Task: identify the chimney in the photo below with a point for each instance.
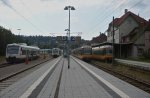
(125, 11)
(100, 33)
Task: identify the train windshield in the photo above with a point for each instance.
(55, 51)
(87, 51)
(12, 49)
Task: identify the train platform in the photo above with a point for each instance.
(10, 69)
(137, 64)
(81, 80)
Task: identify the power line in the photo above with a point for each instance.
(18, 13)
(28, 9)
(104, 12)
(97, 26)
(140, 1)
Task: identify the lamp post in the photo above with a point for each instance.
(68, 47)
(69, 8)
(19, 31)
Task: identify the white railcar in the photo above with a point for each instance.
(56, 52)
(20, 52)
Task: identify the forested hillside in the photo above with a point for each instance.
(43, 42)
(6, 37)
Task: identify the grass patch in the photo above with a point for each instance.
(2, 59)
(127, 70)
(133, 72)
(140, 59)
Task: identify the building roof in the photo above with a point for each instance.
(118, 21)
(99, 39)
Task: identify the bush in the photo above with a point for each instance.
(146, 54)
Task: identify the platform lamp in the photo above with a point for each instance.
(69, 8)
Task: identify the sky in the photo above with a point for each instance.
(48, 17)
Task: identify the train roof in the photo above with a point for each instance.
(110, 43)
(104, 46)
(86, 46)
(45, 49)
(101, 44)
(56, 48)
(24, 46)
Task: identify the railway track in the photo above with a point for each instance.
(81, 80)
(12, 78)
(136, 82)
(5, 65)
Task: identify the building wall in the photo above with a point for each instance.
(141, 40)
(127, 26)
(147, 40)
(109, 37)
(134, 51)
(139, 46)
(116, 35)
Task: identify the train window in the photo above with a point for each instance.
(109, 51)
(12, 49)
(87, 51)
(103, 51)
(98, 52)
(23, 52)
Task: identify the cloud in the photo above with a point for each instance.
(89, 14)
(7, 3)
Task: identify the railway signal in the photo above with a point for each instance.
(64, 38)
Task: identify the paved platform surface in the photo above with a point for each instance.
(18, 88)
(141, 65)
(9, 70)
(75, 82)
(130, 90)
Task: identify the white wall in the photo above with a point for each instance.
(116, 35)
(127, 26)
(147, 40)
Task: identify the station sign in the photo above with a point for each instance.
(72, 38)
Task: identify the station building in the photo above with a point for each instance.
(131, 35)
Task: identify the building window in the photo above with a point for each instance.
(140, 51)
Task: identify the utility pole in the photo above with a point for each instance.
(113, 42)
